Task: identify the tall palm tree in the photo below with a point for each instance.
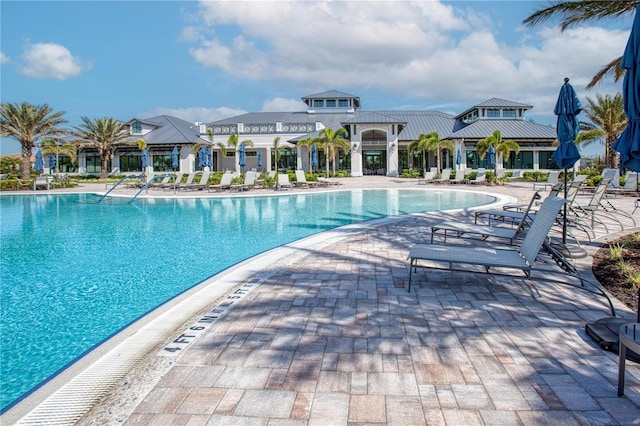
(27, 124)
(308, 142)
(331, 141)
(576, 12)
(58, 147)
(607, 113)
(501, 146)
(234, 142)
(431, 142)
(276, 152)
(100, 134)
(420, 145)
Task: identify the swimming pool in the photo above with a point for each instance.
(74, 272)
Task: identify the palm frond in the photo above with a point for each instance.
(575, 12)
(612, 69)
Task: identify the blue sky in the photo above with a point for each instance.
(204, 61)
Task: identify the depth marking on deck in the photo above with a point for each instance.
(185, 339)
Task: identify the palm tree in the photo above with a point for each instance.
(502, 147)
(576, 12)
(331, 141)
(609, 119)
(431, 142)
(420, 145)
(100, 134)
(58, 147)
(276, 151)
(27, 123)
(234, 142)
(308, 142)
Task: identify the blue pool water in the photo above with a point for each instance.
(74, 272)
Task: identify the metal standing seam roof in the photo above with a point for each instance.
(495, 103)
(510, 129)
(169, 130)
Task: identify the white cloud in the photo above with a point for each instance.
(194, 114)
(51, 61)
(440, 53)
(4, 59)
(284, 105)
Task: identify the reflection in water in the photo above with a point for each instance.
(80, 271)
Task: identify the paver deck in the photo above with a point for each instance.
(335, 338)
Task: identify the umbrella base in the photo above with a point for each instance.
(605, 332)
(570, 251)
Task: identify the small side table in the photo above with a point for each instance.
(629, 336)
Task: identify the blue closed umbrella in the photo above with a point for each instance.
(459, 158)
(202, 157)
(491, 159)
(567, 109)
(38, 166)
(259, 158)
(242, 160)
(145, 158)
(209, 157)
(628, 144)
(314, 155)
(52, 162)
(174, 157)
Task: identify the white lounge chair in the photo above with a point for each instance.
(186, 184)
(428, 176)
(516, 174)
(481, 179)
(552, 179)
(326, 182)
(521, 258)
(485, 231)
(283, 182)
(459, 178)
(173, 182)
(225, 183)
(201, 184)
(630, 185)
(301, 179)
(444, 177)
(43, 181)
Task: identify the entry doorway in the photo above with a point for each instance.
(374, 162)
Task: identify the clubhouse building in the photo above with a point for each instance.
(378, 139)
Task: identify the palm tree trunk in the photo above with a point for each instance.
(326, 162)
(26, 162)
(103, 168)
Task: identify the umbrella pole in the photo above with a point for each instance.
(564, 214)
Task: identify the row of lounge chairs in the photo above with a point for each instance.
(445, 177)
(527, 239)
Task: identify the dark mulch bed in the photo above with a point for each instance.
(608, 273)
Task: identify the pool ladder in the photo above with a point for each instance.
(118, 183)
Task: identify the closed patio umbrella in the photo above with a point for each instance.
(459, 158)
(491, 158)
(202, 157)
(209, 157)
(174, 157)
(314, 155)
(567, 109)
(242, 160)
(628, 144)
(38, 166)
(259, 158)
(52, 163)
(145, 159)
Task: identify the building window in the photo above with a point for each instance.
(288, 159)
(343, 103)
(130, 163)
(546, 160)
(331, 103)
(493, 112)
(93, 164)
(522, 160)
(136, 128)
(162, 163)
(318, 103)
(509, 113)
